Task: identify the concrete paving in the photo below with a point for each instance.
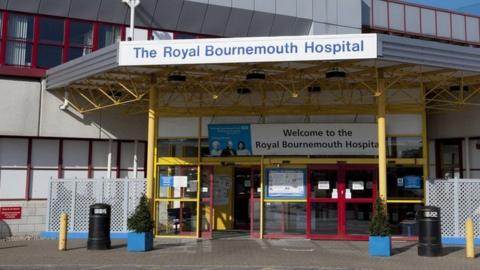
(227, 254)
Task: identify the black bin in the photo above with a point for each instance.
(99, 227)
(429, 232)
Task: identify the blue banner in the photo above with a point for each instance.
(227, 140)
(166, 181)
(412, 182)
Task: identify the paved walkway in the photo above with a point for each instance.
(228, 254)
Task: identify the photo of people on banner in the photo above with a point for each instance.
(227, 140)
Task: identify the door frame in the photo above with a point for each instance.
(341, 201)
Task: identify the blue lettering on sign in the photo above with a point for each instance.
(210, 50)
(166, 181)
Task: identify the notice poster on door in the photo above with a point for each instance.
(286, 183)
(358, 185)
(323, 185)
(221, 189)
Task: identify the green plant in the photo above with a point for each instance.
(379, 225)
(141, 220)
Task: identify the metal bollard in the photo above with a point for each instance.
(62, 234)
(469, 238)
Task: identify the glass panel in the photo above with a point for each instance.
(184, 36)
(205, 182)
(324, 218)
(404, 147)
(20, 27)
(1, 23)
(256, 184)
(161, 35)
(176, 218)
(451, 167)
(405, 182)
(360, 183)
(173, 184)
(19, 53)
(402, 218)
(108, 34)
(49, 56)
(77, 52)
(358, 218)
(256, 215)
(285, 218)
(323, 182)
(206, 218)
(81, 33)
(181, 148)
(51, 30)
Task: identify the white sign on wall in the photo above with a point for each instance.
(314, 139)
(246, 50)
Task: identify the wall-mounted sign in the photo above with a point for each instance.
(248, 50)
(412, 182)
(358, 185)
(369, 185)
(323, 185)
(399, 182)
(292, 139)
(181, 182)
(286, 183)
(334, 194)
(348, 194)
(166, 181)
(10, 212)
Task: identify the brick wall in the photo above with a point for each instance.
(32, 221)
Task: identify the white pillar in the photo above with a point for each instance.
(467, 158)
(109, 160)
(135, 158)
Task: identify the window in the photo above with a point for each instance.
(20, 40)
(108, 35)
(449, 158)
(184, 36)
(161, 35)
(50, 48)
(81, 39)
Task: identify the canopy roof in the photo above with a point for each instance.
(418, 74)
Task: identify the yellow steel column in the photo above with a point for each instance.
(262, 195)
(199, 177)
(152, 140)
(382, 144)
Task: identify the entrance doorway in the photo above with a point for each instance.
(246, 188)
(340, 201)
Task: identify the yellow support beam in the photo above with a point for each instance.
(151, 143)
(382, 144)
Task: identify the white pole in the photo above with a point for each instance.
(135, 158)
(467, 158)
(132, 4)
(109, 160)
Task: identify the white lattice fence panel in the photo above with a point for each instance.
(441, 194)
(75, 197)
(60, 200)
(114, 195)
(84, 197)
(469, 202)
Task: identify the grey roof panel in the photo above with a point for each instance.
(191, 17)
(261, 24)
(265, 6)
(112, 11)
(143, 13)
(430, 53)
(302, 26)
(216, 20)
(78, 9)
(225, 3)
(24, 5)
(167, 13)
(283, 26)
(305, 9)
(54, 7)
(238, 23)
(286, 7)
(245, 4)
(3, 4)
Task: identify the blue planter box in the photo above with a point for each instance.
(380, 246)
(139, 242)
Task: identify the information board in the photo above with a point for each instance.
(286, 183)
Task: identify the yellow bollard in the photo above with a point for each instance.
(62, 234)
(469, 238)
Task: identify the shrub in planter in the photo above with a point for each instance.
(141, 226)
(379, 242)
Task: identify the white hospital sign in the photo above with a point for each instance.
(244, 50)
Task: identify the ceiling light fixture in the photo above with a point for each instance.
(177, 76)
(335, 73)
(256, 74)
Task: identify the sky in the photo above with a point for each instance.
(449, 4)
